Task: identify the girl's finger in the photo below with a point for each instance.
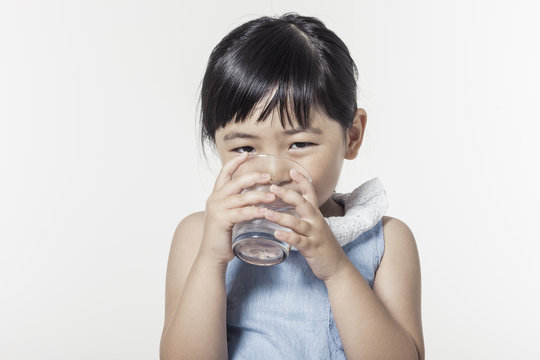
(306, 188)
(291, 238)
(225, 175)
(289, 221)
(303, 207)
(244, 181)
(248, 198)
(245, 214)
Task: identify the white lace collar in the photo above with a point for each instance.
(364, 207)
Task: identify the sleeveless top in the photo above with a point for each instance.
(283, 311)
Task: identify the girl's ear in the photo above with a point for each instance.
(355, 134)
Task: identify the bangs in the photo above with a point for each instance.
(278, 73)
(283, 80)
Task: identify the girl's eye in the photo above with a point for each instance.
(242, 149)
(300, 145)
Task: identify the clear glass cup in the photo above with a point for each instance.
(254, 241)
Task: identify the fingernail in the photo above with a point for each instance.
(274, 187)
(269, 196)
(265, 176)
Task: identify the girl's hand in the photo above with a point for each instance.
(310, 234)
(227, 205)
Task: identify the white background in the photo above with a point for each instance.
(99, 161)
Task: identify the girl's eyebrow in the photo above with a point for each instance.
(300, 130)
(238, 135)
(241, 135)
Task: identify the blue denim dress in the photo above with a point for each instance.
(283, 311)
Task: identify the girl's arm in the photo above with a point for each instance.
(195, 299)
(383, 323)
(195, 296)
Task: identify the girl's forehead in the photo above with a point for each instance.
(317, 120)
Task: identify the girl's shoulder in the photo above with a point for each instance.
(192, 220)
(185, 245)
(395, 228)
(188, 233)
(399, 241)
(400, 263)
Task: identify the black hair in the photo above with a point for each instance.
(289, 63)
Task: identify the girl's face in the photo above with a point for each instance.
(321, 149)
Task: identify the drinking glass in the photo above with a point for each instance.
(253, 241)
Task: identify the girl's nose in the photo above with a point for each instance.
(280, 172)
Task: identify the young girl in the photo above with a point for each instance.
(351, 286)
